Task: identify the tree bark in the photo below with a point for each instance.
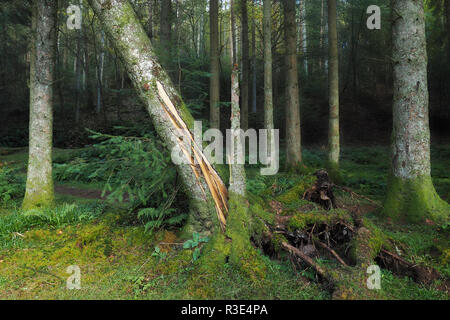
(333, 88)
(214, 84)
(293, 130)
(237, 176)
(245, 66)
(411, 195)
(268, 90)
(150, 19)
(170, 116)
(165, 23)
(39, 185)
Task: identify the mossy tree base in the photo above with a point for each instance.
(414, 200)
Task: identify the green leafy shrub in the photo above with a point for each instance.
(135, 170)
(12, 185)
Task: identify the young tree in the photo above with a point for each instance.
(39, 186)
(237, 176)
(333, 91)
(170, 116)
(245, 66)
(293, 130)
(214, 84)
(268, 90)
(165, 24)
(411, 194)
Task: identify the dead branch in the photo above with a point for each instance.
(333, 253)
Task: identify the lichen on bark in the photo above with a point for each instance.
(39, 187)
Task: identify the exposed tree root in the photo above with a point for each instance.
(345, 235)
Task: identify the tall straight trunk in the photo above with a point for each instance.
(170, 116)
(303, 35)
(79, 70)
(268, 90)
(100, 72)
(214, 82)
(293, 131)
(333, 89)
(150, 19)
(245, 66)
(166, 23)
(447, 21)
(253, 60)
(237, 175)
(39, 186)
(322, 16)
(411, 194)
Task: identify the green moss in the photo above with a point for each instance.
(302, 220)
(296, 192)
(414, 200)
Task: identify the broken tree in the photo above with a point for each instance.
(167, 111)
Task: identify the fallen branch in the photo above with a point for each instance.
(333, 253)
(304, 258)
(353, 193)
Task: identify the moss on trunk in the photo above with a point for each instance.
(414, 200)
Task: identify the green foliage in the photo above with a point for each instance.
(194, 243)
(13, 225)
(136, 171)
(12, 185)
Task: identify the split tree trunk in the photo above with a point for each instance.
(167, 111)
(333, 88)
(214, 84)
(293, 131)
(411, 194)
(39, 186)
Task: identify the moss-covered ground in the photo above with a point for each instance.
(119, 260)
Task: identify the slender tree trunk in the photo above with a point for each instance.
(169, 114)
(333, 89)
(100, 73)
(253, 61)
(268, 90)
(245, 66)
(214, 84)
(39, 186)
(237, 178)
(447, 20)
(411, 194)
(293, 131)
(303, 35)
(165, 23)
(322, 16)
(150, 19)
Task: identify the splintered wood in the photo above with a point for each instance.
(215, 185)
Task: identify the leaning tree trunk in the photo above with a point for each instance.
(169, 114)
(293, 132)
(411, 194)
(333, 88)
(39, 186)
(214, 84)
(245, 66)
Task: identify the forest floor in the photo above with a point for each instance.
(119, 260)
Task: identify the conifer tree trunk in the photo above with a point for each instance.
(333, 88)
(293, 131)
(214, 84)
(237, 176)
(150, 19)
(411, 195)
(39, 187)
(167, 111)
(268, 91)
(165, 23)
(245, 66)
